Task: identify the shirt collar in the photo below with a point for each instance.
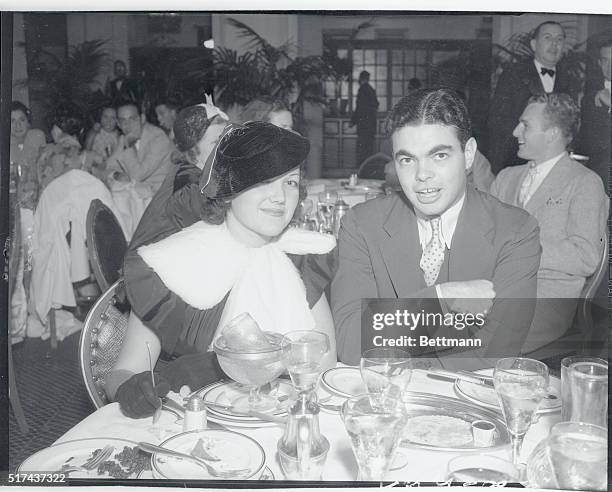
(539, 66)
(546, 166)
(447, 227)
(608, 84)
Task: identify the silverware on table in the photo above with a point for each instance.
(153, 449)
(157, 413)
(92, 462)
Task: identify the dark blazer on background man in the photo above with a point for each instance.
(379, 255)
(514, 88)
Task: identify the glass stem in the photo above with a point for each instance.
(517, 443)
(253, 395)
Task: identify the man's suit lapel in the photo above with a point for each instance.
(532, 80)
(471, 240)
(554, 181)
(401, 249)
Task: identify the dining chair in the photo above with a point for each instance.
(15, 246)
(101, 339)
(373, 167)
(106, 244)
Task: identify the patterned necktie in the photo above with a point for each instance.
(433, 254)
(525, 191)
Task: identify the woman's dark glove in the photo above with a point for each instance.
(194, 370)
(138, 398)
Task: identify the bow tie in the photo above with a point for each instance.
(547, 71)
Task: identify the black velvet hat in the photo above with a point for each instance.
(191, 124)
(249, 154)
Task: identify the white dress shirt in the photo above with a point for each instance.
(542, 171)
(548, 82)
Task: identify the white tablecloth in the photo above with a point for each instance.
(341, 465)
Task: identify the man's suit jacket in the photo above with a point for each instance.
(595, 139)
(379, 255)
(150, 163)
(571, 208)
(514, 88)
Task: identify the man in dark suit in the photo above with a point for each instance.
(439, 238)
(364, 117)
(595, 133)
(121, 89)
(517, 84)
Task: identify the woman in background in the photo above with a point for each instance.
(272, 110)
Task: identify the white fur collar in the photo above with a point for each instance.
(203, 262)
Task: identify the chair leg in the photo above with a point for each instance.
(14, 396)
(52, 329)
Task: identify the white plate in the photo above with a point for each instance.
(235, 451)
(227, 393)
(343, 381)
(76, 453)
(486, 396)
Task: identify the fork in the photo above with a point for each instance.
(92, 462)
(152, 448)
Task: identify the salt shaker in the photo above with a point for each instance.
(195, 414)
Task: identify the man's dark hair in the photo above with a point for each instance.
(169, 102)
(431, 107)
(536, 32)
(364, 74)
(123, 103)
(19, 106)
(561, 111)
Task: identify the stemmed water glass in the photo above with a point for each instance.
(386, 371)
(325, 209)
(520, 384)
(303, 351)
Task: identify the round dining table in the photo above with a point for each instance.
(420, 465)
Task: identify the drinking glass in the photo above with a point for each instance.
(375, 425)
(481, 468)
(386, 371)
(520, 385)
(325, 209)
(566, 391)
(303, 351)
(589, 390)
(573, 457)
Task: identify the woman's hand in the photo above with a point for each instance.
(138, 398)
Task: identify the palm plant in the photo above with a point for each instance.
(265, 70)
(67, 83)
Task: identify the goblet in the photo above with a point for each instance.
(386, 371)
(303, 351)
(252, 367)
(325, 209)
(374, 425)
(520, 385)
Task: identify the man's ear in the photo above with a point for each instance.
(143, 118)
(470, 153)
(553, 133)
(532, 43)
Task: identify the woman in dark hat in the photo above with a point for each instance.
(186, 287)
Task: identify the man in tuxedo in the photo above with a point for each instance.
(569, 203)
(438, 238)
(517, 84)
(595, 132)
(121, 89)
(364, 117)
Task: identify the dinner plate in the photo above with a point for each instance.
(442, 423)
(51, 459)
(234, 450)
(486, 396)
(363, 188)
(343, 381)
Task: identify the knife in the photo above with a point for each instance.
(467, 376)
(248, 413)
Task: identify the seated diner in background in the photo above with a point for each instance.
(187, 287)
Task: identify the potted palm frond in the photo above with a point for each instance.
(69, 82)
